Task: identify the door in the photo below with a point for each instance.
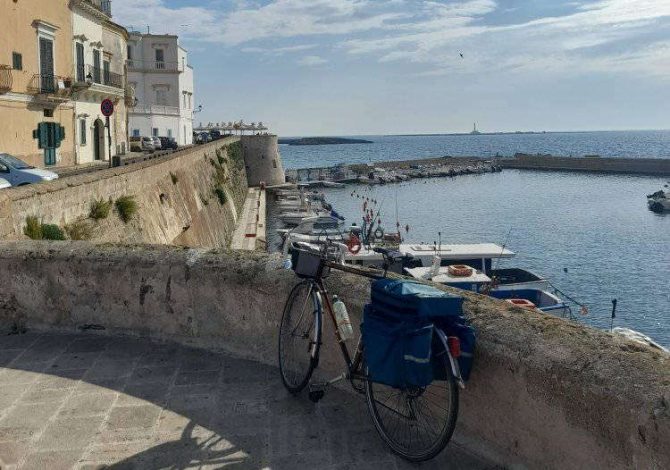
(98, 140)
(47, 66)
(49, 156)
(160, 59)
(96, 66)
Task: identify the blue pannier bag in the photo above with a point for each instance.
(460, 328)
(404, 297)
(397, 353)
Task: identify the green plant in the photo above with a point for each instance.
(79, 230)
(52, 232)
(33, 228)
(235, 153)
(174, 178)
(100, 209)
(126, 207)
(221, 194)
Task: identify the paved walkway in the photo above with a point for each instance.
(250, 228)
(92, 402)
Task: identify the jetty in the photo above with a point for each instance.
(394, 171)
(591, 163)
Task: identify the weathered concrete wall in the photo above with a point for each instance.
(177, 203)
(642, 166)
(262, 160)
(544, 393)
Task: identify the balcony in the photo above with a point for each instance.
(6, 79)
(50, 87)
(103, 77)
(156, 109)
(104, 6)
(154, 66)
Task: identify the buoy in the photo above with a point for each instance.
(523, 303)
(459, 270)
(354, 244)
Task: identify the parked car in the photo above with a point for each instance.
(18, 172)
(206, 137)
(141, 144)
(4, 184)
(215, 134)
(157, 143)
(168, 143)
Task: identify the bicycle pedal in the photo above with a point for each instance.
(316, 395)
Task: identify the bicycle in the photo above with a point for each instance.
(416, 422)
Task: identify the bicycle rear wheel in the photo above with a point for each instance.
(416, 423)
(299, 336)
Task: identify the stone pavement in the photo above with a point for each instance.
(86, 401)
(250, 229)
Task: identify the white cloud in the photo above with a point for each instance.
(279, 50)
(311, 60)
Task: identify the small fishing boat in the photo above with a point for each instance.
(314, 230)
(294, 217)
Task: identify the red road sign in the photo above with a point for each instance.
(107, 107)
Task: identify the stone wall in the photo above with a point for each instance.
(176, 196)
(544, 393)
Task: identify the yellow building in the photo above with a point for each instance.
(36, 63)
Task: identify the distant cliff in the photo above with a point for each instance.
(323, 141)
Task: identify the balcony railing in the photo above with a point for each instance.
(157, 109)
(154, 65)
(6, 79)
(49, 84)
(104, 77)
(104, 6)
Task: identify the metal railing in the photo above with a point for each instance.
(104, 77)
(156, 109)
(6, 79)
(49, 84)
(158, 65)
(104, 6)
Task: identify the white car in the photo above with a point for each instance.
(18, 172)
(4, 184)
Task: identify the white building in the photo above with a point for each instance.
(159, 72)
(99, 52)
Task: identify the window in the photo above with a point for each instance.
(48, 112)
(160, 59)
(185, 101)
(105, 72)
(81, 74)
(96, 66)
(169, 133)
(189, 101)
(82, 131)
(130, 56)
(136, 132)
(17, 61)
(161, 97)
(154, 131)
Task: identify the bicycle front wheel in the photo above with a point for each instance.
(300, 336)
(416, 423)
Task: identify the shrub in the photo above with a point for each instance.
(174, 178)
(204, 200)
(235, 153)
(78, 230)
(33, 228)
(126, 207)
(52, 232)
(221, 194)
(100, 209)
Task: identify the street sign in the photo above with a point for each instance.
(107, 107)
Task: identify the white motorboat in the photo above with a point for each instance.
(315, 230)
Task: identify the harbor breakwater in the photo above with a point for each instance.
(632, 166)
(394, 171)
(544, 393)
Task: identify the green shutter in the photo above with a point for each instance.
(43, 130)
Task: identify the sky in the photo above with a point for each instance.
(371, 67)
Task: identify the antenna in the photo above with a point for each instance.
(502, 250)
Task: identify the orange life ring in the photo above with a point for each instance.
(353, 244)
(459, 270)
(523, 303)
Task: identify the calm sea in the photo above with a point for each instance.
(652, 144)
(597, 227)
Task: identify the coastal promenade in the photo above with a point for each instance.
(250, 233)
(84, 401)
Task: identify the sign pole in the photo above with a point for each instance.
(109, 140)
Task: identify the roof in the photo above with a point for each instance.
(458, 251)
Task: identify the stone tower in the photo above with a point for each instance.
(262, 160)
